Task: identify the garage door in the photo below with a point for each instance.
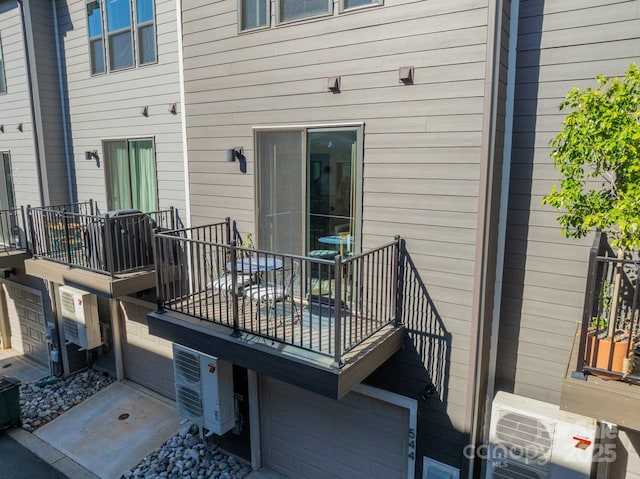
(148, 360)
(26, 320)
(307, 436)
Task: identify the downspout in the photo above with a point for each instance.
(504, 204)
(36, 141)
(183, 117)
(477, 355)
(63, 108)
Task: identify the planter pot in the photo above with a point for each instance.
(600, 359)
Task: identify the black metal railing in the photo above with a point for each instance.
(610, 327)
(325, 306)
(13, 231)
(110, 243)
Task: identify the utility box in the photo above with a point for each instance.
(9, 402)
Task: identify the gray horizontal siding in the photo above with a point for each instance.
(108, 106)
(561, 45)
(15, 108)
(422, 142)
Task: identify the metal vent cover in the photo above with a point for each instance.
(69, 317)
(189, 402)
(509, 470)
(525, 436)
(187, 366)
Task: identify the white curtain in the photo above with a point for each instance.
(143, 175)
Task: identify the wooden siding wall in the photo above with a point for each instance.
(108, 106)
(15, 108)
(48, 101)
(422, 142)
(561, 44)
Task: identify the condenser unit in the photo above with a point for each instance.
(531, 439)
(80, 317)
(204, 389)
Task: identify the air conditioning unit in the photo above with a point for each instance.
(204, 389)
(531, 439)
(80, 317)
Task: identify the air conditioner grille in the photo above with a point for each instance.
(189, 402)
(509, 470)
(187, 366)
(69, 317)
(524, 435)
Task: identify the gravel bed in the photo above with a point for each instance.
(43, 401)
(185, 456)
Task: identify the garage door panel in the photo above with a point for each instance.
(356, 438)
(26, 321)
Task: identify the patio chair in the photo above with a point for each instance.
(221, 278)
(275, 292)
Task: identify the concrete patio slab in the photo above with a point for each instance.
(94, 436)
(14, 364)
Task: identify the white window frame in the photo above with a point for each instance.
(342, 8)
(252, 29)
(133, 30)
(280, 20)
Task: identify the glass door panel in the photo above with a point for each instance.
(332, 158)
(279, 191)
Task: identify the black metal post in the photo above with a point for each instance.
(107, 233)
(234, 292)
(337, 314)
(65, 220)
(24, 225)
(159, 266)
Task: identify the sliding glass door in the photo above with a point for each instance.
(309, 190)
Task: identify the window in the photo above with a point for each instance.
(3, 82)
(130, 169)
(114, 36)
(296, 9)
(309, 189)
(254, 14)
(346, 4)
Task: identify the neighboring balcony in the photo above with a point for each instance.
(321, 324)
(110, 254)
(603, 380)
(14, 248)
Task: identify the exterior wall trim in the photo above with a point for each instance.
(403, 402)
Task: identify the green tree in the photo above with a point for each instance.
(598, 156)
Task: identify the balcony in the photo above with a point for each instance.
(13, 240)
(606, 351)
(320, 324)
(110, 254)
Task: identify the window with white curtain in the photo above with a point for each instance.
(122, 34)
(131, 174)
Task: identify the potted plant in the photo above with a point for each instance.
(597, 154)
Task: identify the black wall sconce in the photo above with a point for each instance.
(237, 153)
(1, 128)
(90, 155)
(144, 111)
(333, 84)
(405, 75)
(19, 127)
(173, 108)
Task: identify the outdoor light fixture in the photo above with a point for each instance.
(173, 108)
(1, 128)
(333, 84)
(405, 75)
(144, 111)
(89, 155)
(19, 127)
(237, 152)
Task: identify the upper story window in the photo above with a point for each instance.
(295, 9)
(255, 14)
(3, 82)
(116, 37)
